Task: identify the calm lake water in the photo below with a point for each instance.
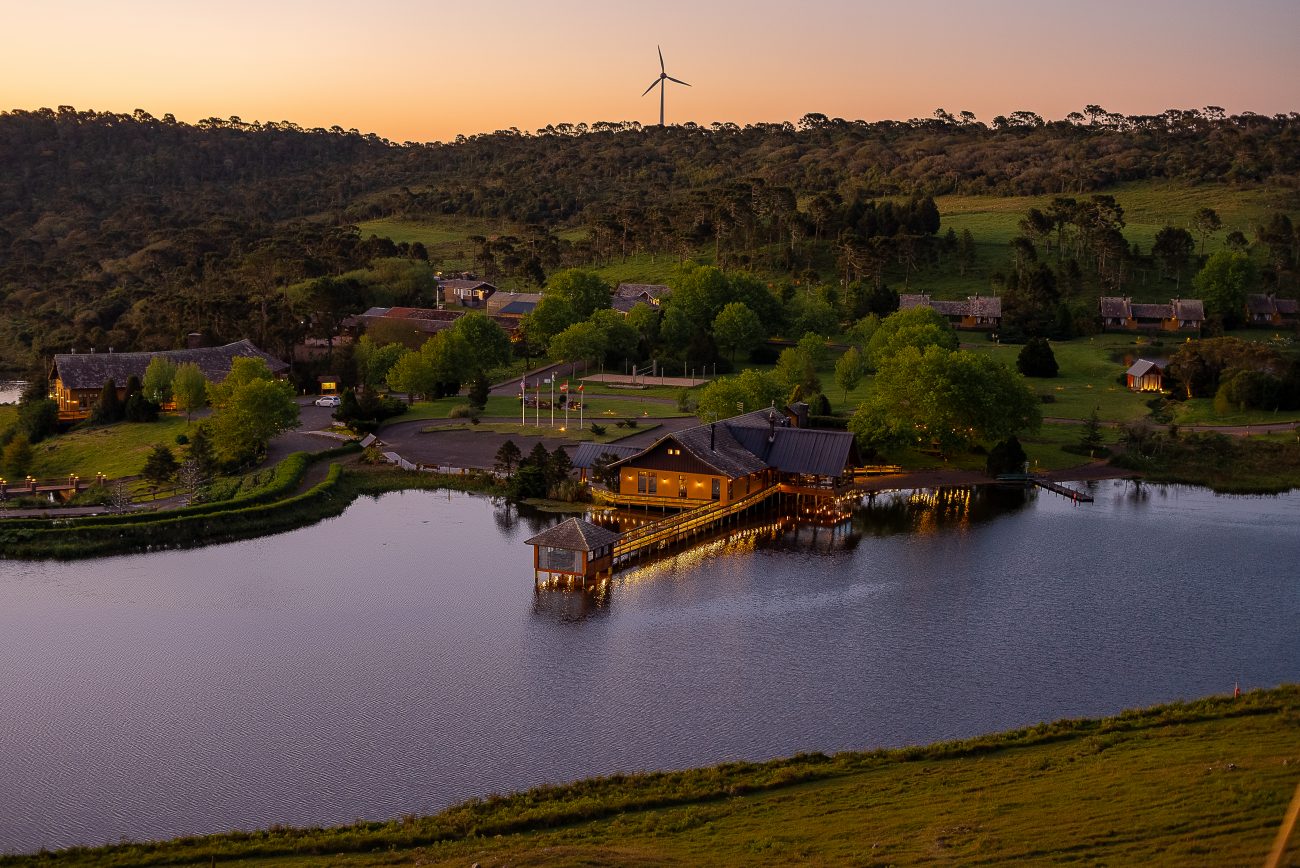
(395, 660)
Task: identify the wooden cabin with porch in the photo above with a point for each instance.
(728, 460)
(574, 549)
(1179, 315)
(76, 379)
(975, 312)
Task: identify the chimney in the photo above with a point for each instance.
(713, 435)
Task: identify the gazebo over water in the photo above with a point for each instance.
(574, 548)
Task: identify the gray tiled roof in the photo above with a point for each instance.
(587, 454)
(634, 290)
(982, 306)
(986, 306)
(1151, 311)
(93, 370)
(1188, 309)
(575, 535)
(1258, 302)
(1114, 307)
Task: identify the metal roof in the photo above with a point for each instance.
(575, 535)
(1142, 367)
(517, 308)
(1151, 311)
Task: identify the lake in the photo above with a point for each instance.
(396, 659)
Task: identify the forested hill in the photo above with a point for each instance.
(128, 230)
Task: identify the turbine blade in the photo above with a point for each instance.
(678, 80)
(661, 59)
(651, 87)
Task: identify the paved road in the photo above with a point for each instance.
(1234, 430)
(477, 448)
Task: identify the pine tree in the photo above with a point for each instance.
(160, 466)
(507, 458)
(1092, 438)
(201, 452)
(109, 409)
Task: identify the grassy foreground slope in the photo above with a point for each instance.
(1202, 783)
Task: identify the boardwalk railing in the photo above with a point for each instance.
(664, 532)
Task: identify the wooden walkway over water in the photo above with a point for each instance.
(1073, 494)
(684, 526)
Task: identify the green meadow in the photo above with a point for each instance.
(1198, 784)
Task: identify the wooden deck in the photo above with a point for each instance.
(679, 528)
(1055, 487)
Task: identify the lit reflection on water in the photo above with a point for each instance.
(397, 659)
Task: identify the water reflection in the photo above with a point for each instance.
(929, 511)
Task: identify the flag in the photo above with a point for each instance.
(564, 387)
(580, 385)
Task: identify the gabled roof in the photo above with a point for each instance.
(587, 454)
(1114, 307)
(93, 370)
(981, 306)
(761, 439)
(636, 290)
(1258, 302)
(1151, 311)
(1287, 306)
(1188, 309)
(461, 285)
(987, 306)
(1142, 367)
(575, 535)
(624, 305)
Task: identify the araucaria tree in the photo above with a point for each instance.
(1036, 359)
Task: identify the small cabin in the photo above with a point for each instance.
(1146, 375)
(573, 549)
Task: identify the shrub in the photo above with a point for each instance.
(598, 430)
(1036, 359)
(461, 411)
(631, 423)
(182, 439)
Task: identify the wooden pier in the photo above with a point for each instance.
(64, 487)
(1055, 487)
(688, 525)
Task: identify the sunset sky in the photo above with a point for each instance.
(431, 70)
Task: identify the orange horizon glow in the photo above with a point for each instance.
(434, 70)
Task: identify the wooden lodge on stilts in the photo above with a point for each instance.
(574, 551)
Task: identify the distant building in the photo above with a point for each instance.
(650, 293)
(574, 548)
(1180, 314)
(1268, 310)
(467, 292)
(78, 378)
(424, 322)
(515, 304)
(980, 312)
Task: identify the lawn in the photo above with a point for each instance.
(1089, 376)
(1206, 783)
(114, 450)
(601, 409)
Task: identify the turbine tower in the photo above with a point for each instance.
(662, 83)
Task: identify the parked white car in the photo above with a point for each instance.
(328, 401)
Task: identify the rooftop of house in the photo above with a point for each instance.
(93, 370)
(1144, 366)
(638, 290)
(759, 440)
(575, 535)
(983, 306)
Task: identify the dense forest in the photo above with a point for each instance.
(128, 231)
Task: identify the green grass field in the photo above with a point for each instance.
(992, 220)
(114, 450)
(1206, 783)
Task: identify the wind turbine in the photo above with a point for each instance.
(661, 83)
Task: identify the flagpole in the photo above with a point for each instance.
(564, 392)
(552, 400)
(582, 399)
(537, 404)
(523, 404)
